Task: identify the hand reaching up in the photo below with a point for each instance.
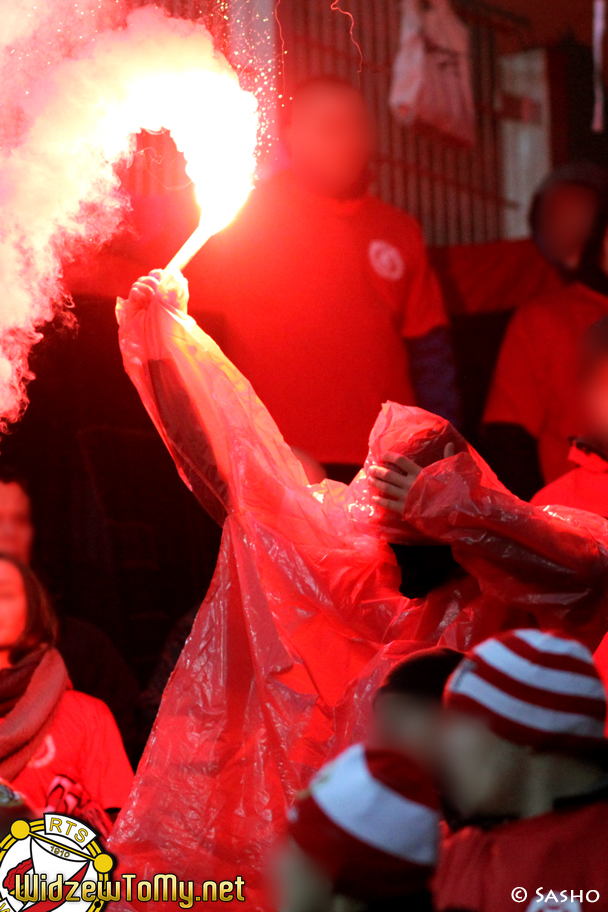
(393, 479)
(172, 286)
(144, 289)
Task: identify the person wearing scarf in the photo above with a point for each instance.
(59, 748)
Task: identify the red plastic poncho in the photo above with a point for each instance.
(303, 618)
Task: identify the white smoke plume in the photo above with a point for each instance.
(34, 36)
(80, 104)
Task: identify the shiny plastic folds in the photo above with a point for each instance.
(304, 617)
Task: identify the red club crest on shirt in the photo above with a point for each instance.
(386, 260)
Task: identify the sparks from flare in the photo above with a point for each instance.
(219, 154)
(213, 123)
(282, 43)
(79, 117)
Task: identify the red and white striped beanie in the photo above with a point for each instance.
(533, 688)
(370, 819)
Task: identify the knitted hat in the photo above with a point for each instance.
(536, 689)
(422, 674)
(370, 820)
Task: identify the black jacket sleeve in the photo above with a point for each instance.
(433, 374)
(513, 454)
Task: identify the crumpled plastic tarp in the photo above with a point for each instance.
(303, 618)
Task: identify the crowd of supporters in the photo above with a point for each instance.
(483, 780)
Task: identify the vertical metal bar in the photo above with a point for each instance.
(397, 133)
(475, 201)
(487, 144)
(498, 187)
(388, 55)
(328, 39)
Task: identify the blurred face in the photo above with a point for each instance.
(595, 401)
(299, 884)
(13, 605)
(566, 221)
(16, 529)
(408, 723)
(481, 773)
(331, 139)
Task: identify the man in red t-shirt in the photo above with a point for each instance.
(535, 385)
(586, 486)
(532, 406)
(321, 294)
(524, 758)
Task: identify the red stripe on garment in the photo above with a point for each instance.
(518, 733)
(537, 696)
(402, 775)
(549, 659)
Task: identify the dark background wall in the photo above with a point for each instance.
(120, 540)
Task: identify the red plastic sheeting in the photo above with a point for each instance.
(303, 618)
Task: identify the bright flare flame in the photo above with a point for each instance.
(212, 121)
(58, 185)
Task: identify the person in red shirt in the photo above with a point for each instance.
(322, 295)
(60, 749)
(94, 664)
(534, 387)
(586, 486)
(532, 406)
(563, 213)
(525, 761)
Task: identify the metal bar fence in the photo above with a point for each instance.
(455, 192)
